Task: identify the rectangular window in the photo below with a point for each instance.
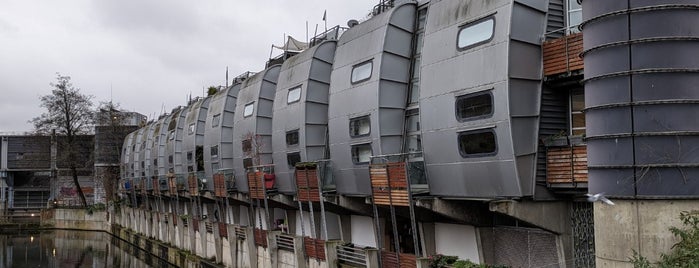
(292, 138)
(412, 120)
(249, 108)
(216, 120)
(292, 159)
(170, 159)
(190, 157)
(171, 135)
(360, 126)
(155, 162)
(361, 154)
(361, 72)
(476, 33)
(214, 151)
(294, 95)
(246, 146)
(190, 168)
(477, 143)
(247, 163)
(191, 129)
(413, 143)
(473, 106)
(577, 105)
(574, 16)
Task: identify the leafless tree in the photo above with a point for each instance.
(69, 113)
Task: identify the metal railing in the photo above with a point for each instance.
(240, 233)
(414, 164)
(383, 6)
(285, 242)
(333, 33)
(351, 255)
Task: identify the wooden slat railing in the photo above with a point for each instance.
(566, 164)
(563, 55)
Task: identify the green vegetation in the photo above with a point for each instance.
(684, 253)
(439, 261)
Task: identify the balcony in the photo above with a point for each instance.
(566, 164)
(313, 179)
(395, 178)
(224, 182)
(196, 183)
(261, 181)
(562, 56)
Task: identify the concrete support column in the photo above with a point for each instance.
(180, 232)
(372, 257)
(203, 240)
(171, 228)
(218, 243)
(191, 234)
(233, 244)
(272, 247)
(427, 235)
(252, 248)
(299, 252)
(331, 252)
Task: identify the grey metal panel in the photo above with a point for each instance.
(660, 150)
(608, 121)
(617, 27)
(317, 91)
(645, 56)
(524, 135)
(525, 97)
(615, 152)
(611, 181)
(384, 39)
(608, 91)
(553, 121)
(196, 114)
(525, 60)
(527, 22)
(222, 104)
(676, 182)
(677, 23)
(555, 20)
(259, 89)
(316, 113)
(662, 86)
(541, 6)
(664, 117)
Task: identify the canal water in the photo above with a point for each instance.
(66, 248)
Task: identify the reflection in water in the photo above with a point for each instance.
(66, 248)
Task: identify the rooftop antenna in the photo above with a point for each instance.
(325, 19)
(226, 76)
(306, 32)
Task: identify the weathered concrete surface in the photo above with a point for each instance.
(640, 225)
(78, 219)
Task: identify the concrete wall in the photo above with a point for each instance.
(640, 225)
(76, 219)
(362, 231)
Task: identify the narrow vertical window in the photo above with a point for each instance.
(477, 143)
(361, 72)
(216, 120)
(294, 95)
(474, 106)
(292, 159)
(361, 154)
(214, 151)
(249, 108)
(360, 126)
(191, 129)
(476, 33)
(247, 163)
(577, 117)
(574, 16)
(246, 145)
(292, 138)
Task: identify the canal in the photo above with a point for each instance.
(68, 248)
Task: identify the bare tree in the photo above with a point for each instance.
(69, 113)
(252, 146)
(111, 128)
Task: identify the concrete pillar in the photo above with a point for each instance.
(427, 235)
(272, 247)
(346, 227)
(218, 244)
(203, 240)
(233, 244)
(180, 232)
(372, 257)
(252, 248)
(299, 252)
(171, 228)
(191, 234)
(331, 252)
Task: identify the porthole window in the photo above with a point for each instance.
(476, 33)
(361, 72)
(294, 95)
(477, 143)
(474, 106)
(249, 108)
(360, 126)
(292, 138)
(361, 154)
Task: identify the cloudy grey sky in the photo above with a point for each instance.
(144, 54)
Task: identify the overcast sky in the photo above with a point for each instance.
(145, 55)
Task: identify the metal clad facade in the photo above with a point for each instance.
(218, 132)
(309, 70)
(381, 40)
(641, 98)
(195, 121)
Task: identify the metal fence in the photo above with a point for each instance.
(285, 242)
(351, 256)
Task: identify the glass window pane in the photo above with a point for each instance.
(247, 162)
(191, 129)
(246, 146)
(294, 95)
(573, 4)
(360, 126)
(475, 33)
(214, 151)
(415, 91)
(216, 120)
(578, 120)
(292, 138)
(292, 159)
(414, 143)
(361, 72)
(474, 106)
(477, 143)
(577, 99)
(574, 19)
(412, 120)
(248, 109)
(361, 154)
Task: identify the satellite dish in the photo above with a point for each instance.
(352, 23)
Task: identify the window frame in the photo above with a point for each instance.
(289, 94)
(356, 159)
(191, 128)
(354, 67)
(572, 112)
(471, 24)
(367, 117)
(457, 98)
(571, 29)
(290, 132)
(216, 120)
(252, 110)
(213, 149)
(288, 163)
(473, 132)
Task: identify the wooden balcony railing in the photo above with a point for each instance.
(307, 184)
(389, 184)
(563, 55)
(315, 248)
(566, 166)
(397, 260)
